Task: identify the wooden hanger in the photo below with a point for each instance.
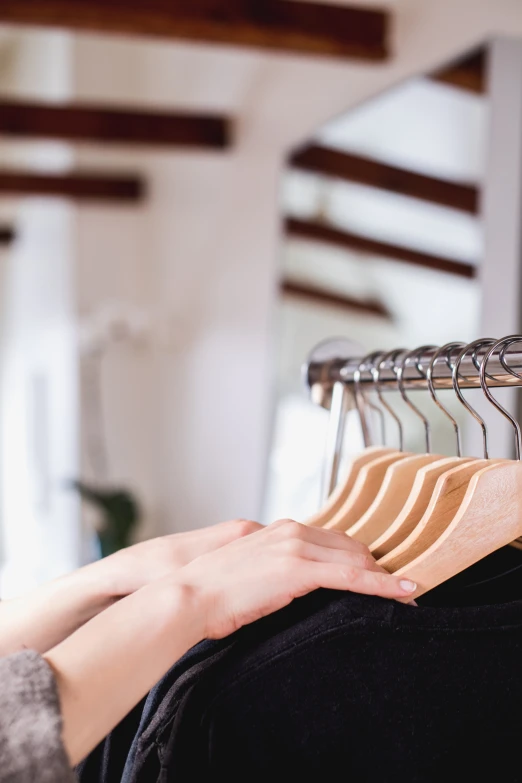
(425, 482)
(450, 490)
(364, 491)
(391, 497)
(340, 494)
(489, 517)
(415, 505)
(400, 478)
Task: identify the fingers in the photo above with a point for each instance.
(316, 535)
(231, 530)
(360, 580)
(323, 554)
(336, 561)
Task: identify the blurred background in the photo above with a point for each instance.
(190, 200)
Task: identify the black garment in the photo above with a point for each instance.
(114, 754)
(387, 691)
(106, 762)
(374, 689)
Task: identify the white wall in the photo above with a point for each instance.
(39, 402)
(39, 413)
(188, 418)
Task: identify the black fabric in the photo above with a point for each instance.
(494, 580)
(377, 689)
(105, 764)
(340, 682)
(108, 761)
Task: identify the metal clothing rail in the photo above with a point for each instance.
(342, 367)
(334, 375)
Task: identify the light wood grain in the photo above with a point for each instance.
(415, 505)
(343, 489)
(365, 489)
(489, 517)
(393, 493)
(447, 497)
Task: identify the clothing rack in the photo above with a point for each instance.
(333, 375)
(343, 366)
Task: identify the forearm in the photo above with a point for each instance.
(43, 618)
(110, 663)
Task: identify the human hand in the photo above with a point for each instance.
(263, 572)
(132, 568)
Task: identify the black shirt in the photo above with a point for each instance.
(339, 683)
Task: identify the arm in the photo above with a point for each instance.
(49, 614)
(104, 668)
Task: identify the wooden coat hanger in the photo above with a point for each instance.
(415, 505)
(400, 477)
(449, 493)
(450, 488)
(390, 499)
(372, 477)
(365, 489)
(490, 515)
(424, 487)
(339, 496)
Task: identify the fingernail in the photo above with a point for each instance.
(408, 586)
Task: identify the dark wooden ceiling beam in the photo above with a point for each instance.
(319, 232)
(319, 297)
(468, 73)
(7, 235)
(79, 186)
(297, 27)
(98, 124)
(364, 171)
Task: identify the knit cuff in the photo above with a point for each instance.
(31, 747)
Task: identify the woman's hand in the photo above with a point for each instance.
(104, 668)
(45, 616)
(130, 569)
(255, 576)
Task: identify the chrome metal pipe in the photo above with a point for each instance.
(342, 368)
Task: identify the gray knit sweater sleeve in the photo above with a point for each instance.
(31, 748)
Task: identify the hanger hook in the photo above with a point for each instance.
(502, 357)
(390, 356)
(368, 362)
(400, 381)
(506, 341)
(455, 381)
(445, 351)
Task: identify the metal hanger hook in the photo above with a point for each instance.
(455, 380)
(502, 357)
(368, 363)
(400, 382)
(504, 344)
(445, 351)
(391, 356)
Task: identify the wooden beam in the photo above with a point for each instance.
(75, 122)
(318, 232)
(468, 73)
(7, 235)
(80, 186)
(318, 296)
(364, 171)
(296, 27)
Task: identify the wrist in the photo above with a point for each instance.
(93, 588)
(182, 607)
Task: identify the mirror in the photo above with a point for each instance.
(380, 209)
